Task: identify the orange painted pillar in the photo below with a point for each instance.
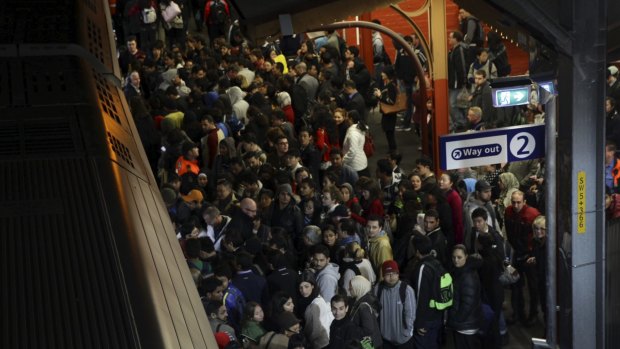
(439, 49)
(366, 43)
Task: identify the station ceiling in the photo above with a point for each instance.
(523, 19)
(261, 18)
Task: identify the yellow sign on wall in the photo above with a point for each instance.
(581, 202)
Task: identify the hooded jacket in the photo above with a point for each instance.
(473, 203)
(327, 280)
(239, 105)
(379, 251)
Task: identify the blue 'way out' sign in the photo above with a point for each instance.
(495, 146)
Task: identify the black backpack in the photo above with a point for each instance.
(218, 12)
(402, 291)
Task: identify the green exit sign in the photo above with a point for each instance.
(508, 97)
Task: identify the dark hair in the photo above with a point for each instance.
(374, 217)
(277, 303)
(390, 72)
(431, 213)
(480, 213)
(224, 270)
(460, 247)
(245, 260)
(192, 248)
(248, 311)
(338, 298)
(348, 225)
(423, 244)
(396, 156)
(425, 161)
(354, 51)
(383, 166)
(349, 84)
(457, 35)
(210, 284)
(212, 307)
(481, 72)
(375, 191)
(320, 249)
(356, 118)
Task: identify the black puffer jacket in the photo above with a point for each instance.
(466, 310)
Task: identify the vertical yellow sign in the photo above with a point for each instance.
(581, 202)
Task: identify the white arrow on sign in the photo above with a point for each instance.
(519, 96)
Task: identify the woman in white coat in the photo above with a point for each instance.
(353, 145)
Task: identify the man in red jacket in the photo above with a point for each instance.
(518, 219)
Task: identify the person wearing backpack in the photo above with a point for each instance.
(216, 16)
(398, 307)
(365, 310)
(433, 287)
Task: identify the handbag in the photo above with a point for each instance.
(399, 105)
(369, 144)
(509, 276)
(171, 11)
(149, 15)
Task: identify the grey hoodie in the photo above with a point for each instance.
(327, 280)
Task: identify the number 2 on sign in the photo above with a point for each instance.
(522, 145)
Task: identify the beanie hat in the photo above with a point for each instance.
(286, 320)
(389, 266)
(286, 188)
(349, 187)
(482, 185)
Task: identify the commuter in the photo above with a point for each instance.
(388, 96)
(519, 219)
(317, 314)
(465, 315)
(458, 65)
(379, 247)
(481, 97)
(446, 184)
(342, 330)
(481, 197)
(251, 326)
(398, 308)
(428, 319)
(365, 309)
(218, 317)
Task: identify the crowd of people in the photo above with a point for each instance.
(261, 155)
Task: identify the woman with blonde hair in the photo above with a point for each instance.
(365, 309)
